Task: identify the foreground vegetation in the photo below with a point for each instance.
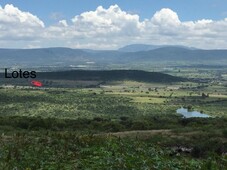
(37, 143)
(48, 150)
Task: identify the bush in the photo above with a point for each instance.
(224, 132)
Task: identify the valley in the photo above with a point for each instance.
(85, 119)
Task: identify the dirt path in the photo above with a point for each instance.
(139, 133)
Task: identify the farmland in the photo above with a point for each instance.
(119, 124)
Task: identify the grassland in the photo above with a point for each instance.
(114, 125)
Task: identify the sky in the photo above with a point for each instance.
(110, 24)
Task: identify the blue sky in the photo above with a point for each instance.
(110, 24)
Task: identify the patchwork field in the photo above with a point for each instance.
(113, 125)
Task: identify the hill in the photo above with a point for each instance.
(178, 54)
(109, 75)
(91, 78)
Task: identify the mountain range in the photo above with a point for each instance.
(129, 55)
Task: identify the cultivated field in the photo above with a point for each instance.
(114, 125)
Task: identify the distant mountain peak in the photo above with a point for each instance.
(147, 47)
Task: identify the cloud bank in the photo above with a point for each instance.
(108, 29)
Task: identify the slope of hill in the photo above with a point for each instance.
(177, 54)
(42, 56)
(146, 47)
(138, 47)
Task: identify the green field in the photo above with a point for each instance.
(116, 125)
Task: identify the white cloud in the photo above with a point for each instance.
(17, 25)
(165, 17)
(64, 23)
(111, 21)
(11, 14)
(108, 29)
